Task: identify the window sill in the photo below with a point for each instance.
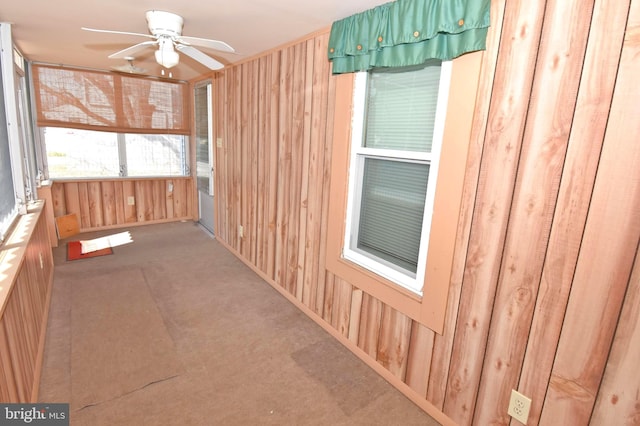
(430, 309)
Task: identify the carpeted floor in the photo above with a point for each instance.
(172, 329)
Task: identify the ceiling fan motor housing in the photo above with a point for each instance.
(164, 23)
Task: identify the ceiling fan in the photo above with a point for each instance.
(129, 67)
(166, 32)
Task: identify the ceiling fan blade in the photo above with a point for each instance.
(132, 50)
(95, 30)
(204, 42)
(129, 69)
(205, 60)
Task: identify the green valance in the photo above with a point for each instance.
(408, 32)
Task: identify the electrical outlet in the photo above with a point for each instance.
(241, 231)
(519, 406)
(219, 142)
(131, 201)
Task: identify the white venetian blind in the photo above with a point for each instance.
(401, 107)
(400, 116)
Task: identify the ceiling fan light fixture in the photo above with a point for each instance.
(166, 55)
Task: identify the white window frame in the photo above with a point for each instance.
(12, 72)
(123, 170)
(358, 153)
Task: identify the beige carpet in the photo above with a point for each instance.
(172, 329)
(111, 355)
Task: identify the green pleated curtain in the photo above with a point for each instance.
(408, 32)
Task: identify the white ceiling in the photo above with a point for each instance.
(49, 30)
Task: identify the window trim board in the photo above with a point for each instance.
(430, 309)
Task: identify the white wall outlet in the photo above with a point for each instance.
(219, 142)
(131, 201)
(241, 231)
(170, 187)
(519, 406)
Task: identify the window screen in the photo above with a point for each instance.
(8, 203)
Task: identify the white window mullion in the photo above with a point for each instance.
(122, 154)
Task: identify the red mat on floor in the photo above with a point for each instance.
(74, 251)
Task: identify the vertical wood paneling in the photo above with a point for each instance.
(341, 306)
(354, 316)
(393, 342)
(419, 358)
(618, 400)
(121, 202)
(509, 103)
(304, 171)
(180, 200)
(59, 205)
(296, 164)
(244, 150)
(443, 344)
(329, 286)
(24, 311)
(611, 236)
(273, 137)
(149, 203)
(262, 161)
(285, 109)
(252, 221)
(83, 196)
(168, 198)
(326, 179)
(109, 203)
(159, 202)
(558, 69)
(370, 320)
(236, 198)
(104, 204)
(140, 200)
(315, 173)
(95, 204)
(585, 143)
(72, 199)
(9, 388)
(130, 211)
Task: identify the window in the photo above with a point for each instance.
(102, 124)
(77, 153)
(8, 202)
(397, 133)
(378, 164)
(16, 183)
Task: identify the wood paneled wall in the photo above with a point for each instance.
(26, 268)
(104, 204)
(545, 289)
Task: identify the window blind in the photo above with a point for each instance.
(401, 107)
(95, 100)
(392, 207)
